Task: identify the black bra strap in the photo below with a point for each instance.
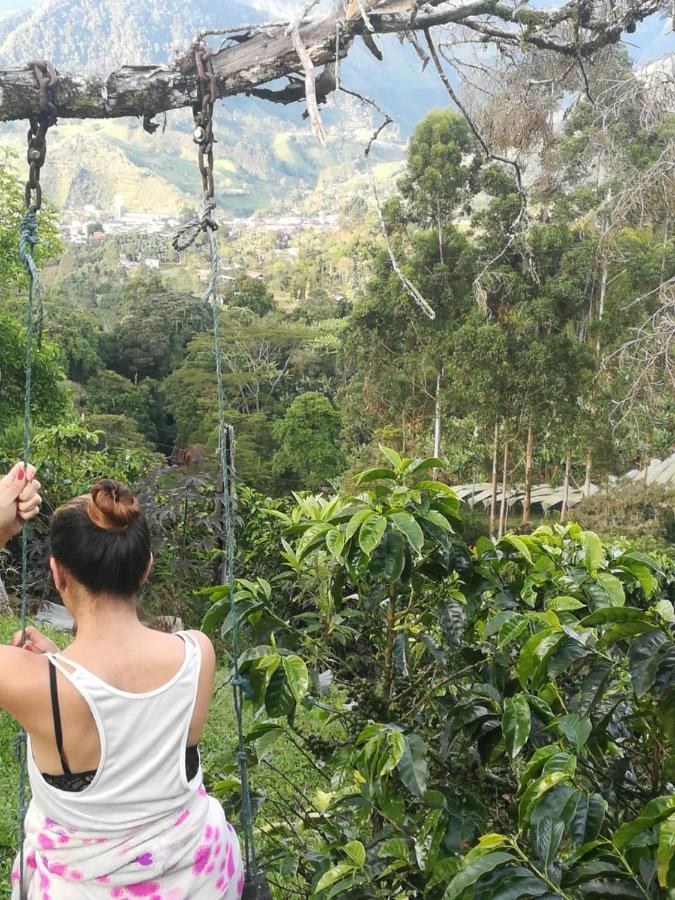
(56, 713)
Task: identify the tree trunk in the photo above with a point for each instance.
(493, 500)
(566, 485)
(502, 510)
(389, 645)
(437, 414)
(601, 313)
(589, 470)
(529, 456)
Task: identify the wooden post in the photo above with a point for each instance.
(529, 456)
(566, 485)
(493, 501)
(502, 511)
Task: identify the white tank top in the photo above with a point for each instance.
(141, 776)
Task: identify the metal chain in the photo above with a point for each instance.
(47, 79)
(202, 135)
(202, 112)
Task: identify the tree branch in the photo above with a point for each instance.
(270, 53)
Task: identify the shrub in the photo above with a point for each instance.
(634, 510)
(505, 715)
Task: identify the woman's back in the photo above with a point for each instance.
(133, 662)
(133, 742)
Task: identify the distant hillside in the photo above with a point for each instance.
(266, 153)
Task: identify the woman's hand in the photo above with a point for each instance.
(34, 641)
(19, 500)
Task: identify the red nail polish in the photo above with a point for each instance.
(20, 474)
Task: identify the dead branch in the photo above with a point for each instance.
(264, 53)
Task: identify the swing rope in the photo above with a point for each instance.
(28, 237)
(256, 887)
(46, 78)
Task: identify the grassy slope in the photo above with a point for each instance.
(218, 738)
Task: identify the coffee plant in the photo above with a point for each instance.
(498, 721)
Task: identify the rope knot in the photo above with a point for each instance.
(188, 234)
(28, 238)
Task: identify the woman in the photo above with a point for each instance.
(118, 806)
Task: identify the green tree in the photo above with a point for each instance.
(114, 395)
(251, 293)
(50, 401)
(442, 165)
(309, 441)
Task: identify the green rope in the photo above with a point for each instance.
(226, 454)
(28, 238)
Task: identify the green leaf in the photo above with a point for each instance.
(470, 874)
(486, 843)
(413, 767)
(371, 533)
(654, 812)
(408, 526)
(388, 560)
(593, 552)
(644, 659)
(535, 791)
(437, 519)
(516, 724)
(494, 623)
(547, 839)
(416, 467)
(536, 762)
(576, 729)
(511, 630)
(375, 475)
(332, 876)
(267, 740)
(335, 541)
(357, 520)
(391, 456)
(665, 610)
(535, 650)
(279, 699)
(438, 487)
(518, 544)
(612, 587)
(356, 852)
(644, 576)
(665, 850)
(613, 614)
(563, 604)
(297, 675)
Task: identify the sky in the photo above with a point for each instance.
(652, 38)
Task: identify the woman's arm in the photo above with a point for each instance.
(24, 681)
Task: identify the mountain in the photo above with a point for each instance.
(266, 153)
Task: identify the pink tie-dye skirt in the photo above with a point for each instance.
(194, 855)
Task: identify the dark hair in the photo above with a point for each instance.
(103, 539)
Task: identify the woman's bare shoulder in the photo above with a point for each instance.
(206, 646)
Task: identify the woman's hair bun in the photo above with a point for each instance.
(112, 505)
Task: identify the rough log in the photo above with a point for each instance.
(266, 56)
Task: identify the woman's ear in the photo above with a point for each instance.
(148, 569)
(58, 574)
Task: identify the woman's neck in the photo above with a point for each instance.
(106, 619)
